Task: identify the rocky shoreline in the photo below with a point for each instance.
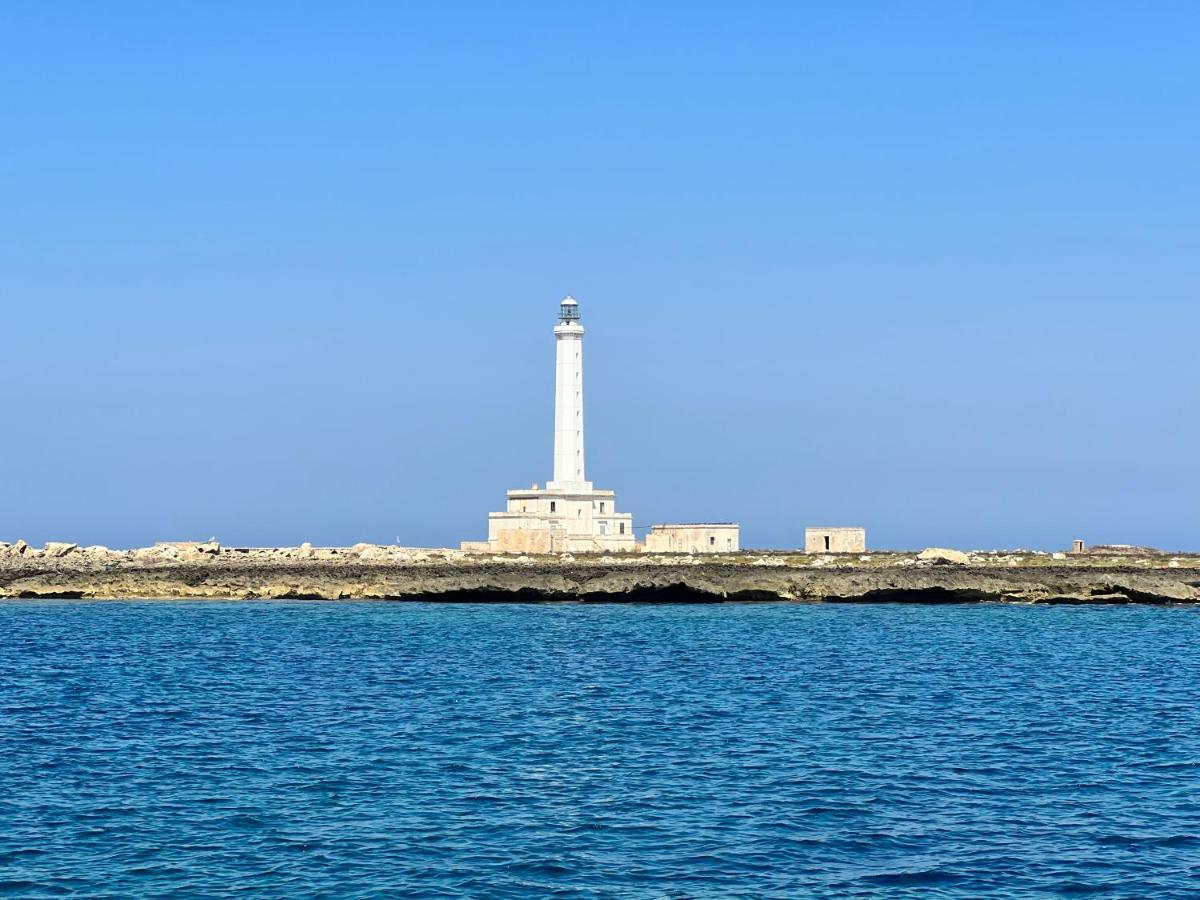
(207, 571)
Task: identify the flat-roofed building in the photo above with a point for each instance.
(700, 537)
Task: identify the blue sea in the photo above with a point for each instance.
(291, 749)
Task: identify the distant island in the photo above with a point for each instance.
(566, 540)
(196, 570)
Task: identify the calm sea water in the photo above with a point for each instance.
(364, 749)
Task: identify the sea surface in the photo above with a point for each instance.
(285, 749)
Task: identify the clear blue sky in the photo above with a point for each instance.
(280, 272)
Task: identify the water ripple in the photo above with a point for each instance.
(367, 749)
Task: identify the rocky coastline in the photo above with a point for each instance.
(208, 571)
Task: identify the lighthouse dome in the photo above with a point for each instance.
(568, 310)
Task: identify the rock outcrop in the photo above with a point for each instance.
(371, 572)
(944, 557)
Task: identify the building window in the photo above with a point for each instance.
(712, 541)
(601, 506)
(603, 528)
(622, 528)
(826, 542)
(553, 506)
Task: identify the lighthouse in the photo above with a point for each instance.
(568, 399)
(569, 514)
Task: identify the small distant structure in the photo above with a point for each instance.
(839, 539)
(700, 537)
(1078, 547)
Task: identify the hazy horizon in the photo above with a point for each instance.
(292, 277)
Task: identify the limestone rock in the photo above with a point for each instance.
(194, 550)
(334, 573)
(149, 554)
(58, 548)
(372, 552)
(18, 549)
(940, 556)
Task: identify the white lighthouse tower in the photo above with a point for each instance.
(569, 514)
(568, 400)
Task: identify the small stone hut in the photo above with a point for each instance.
(837, 539)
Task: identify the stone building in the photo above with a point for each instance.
(835, 540)
(569, 514)
(722, 537)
